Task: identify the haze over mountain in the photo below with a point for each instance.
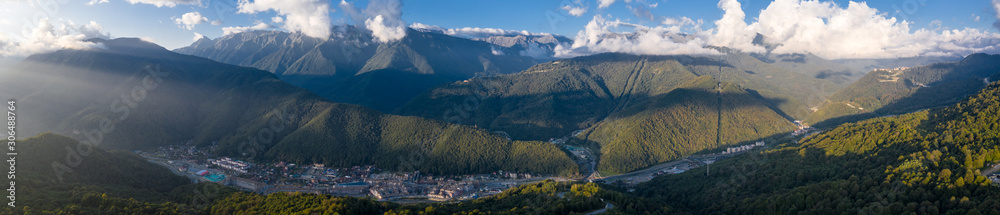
(916, 158)
(501, 107)
(902, 90)
(137, 95)
(840, 71)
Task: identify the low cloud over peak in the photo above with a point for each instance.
(310, 17)
(600, 36)
(47, 37)
(157, 3)
(823, 28)
(382, 17)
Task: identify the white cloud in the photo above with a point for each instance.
(240, 29)
(642, 12)
(601, 4)
(535, 51)
(575, 11)
(599, 37)
(164, 3)
(996, 9)
(832, 32)
(385, 29)
(422, 26)
(470, 32)
(198, 36)
(310, 17)
(682, 21)
(496, 51)
(681, 24)
(936, 24)
(823, 28)
(47, 37)
(974, 18)
(148, 39)
(94, 2)
(217, 22)
(190, 19)
(277, 19)
(382, 17)
(732, 31)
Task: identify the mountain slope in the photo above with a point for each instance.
(625, 103)
(930, 161)
(894, 91)
(52, 179)
(340, 68)
(138, 95)
(556, 98)
(702, 114)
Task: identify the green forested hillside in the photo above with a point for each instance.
(928, 162)
(59, 175)
(547, 197)
(702, 114)
(120, 182)
(884, 92)
(549, 99)
(637, 108)
(137, 95)
(553, 99)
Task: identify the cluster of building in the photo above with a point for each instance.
(452, 191)
(995, 177)
(389, 191)
(356, 181)
(803, 128)
(893, 69)
(678, 169)
(743, 148)
(230, 164)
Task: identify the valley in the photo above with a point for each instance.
(483, 107)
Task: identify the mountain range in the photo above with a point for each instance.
(137, 95)
(906, 89)
(350, 68)
(470, 105)
(930, 161)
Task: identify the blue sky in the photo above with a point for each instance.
(123, 19)
(531, 15)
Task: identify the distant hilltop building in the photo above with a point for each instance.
(893, 69)
(743, 148)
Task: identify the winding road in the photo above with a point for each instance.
(607, 207)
